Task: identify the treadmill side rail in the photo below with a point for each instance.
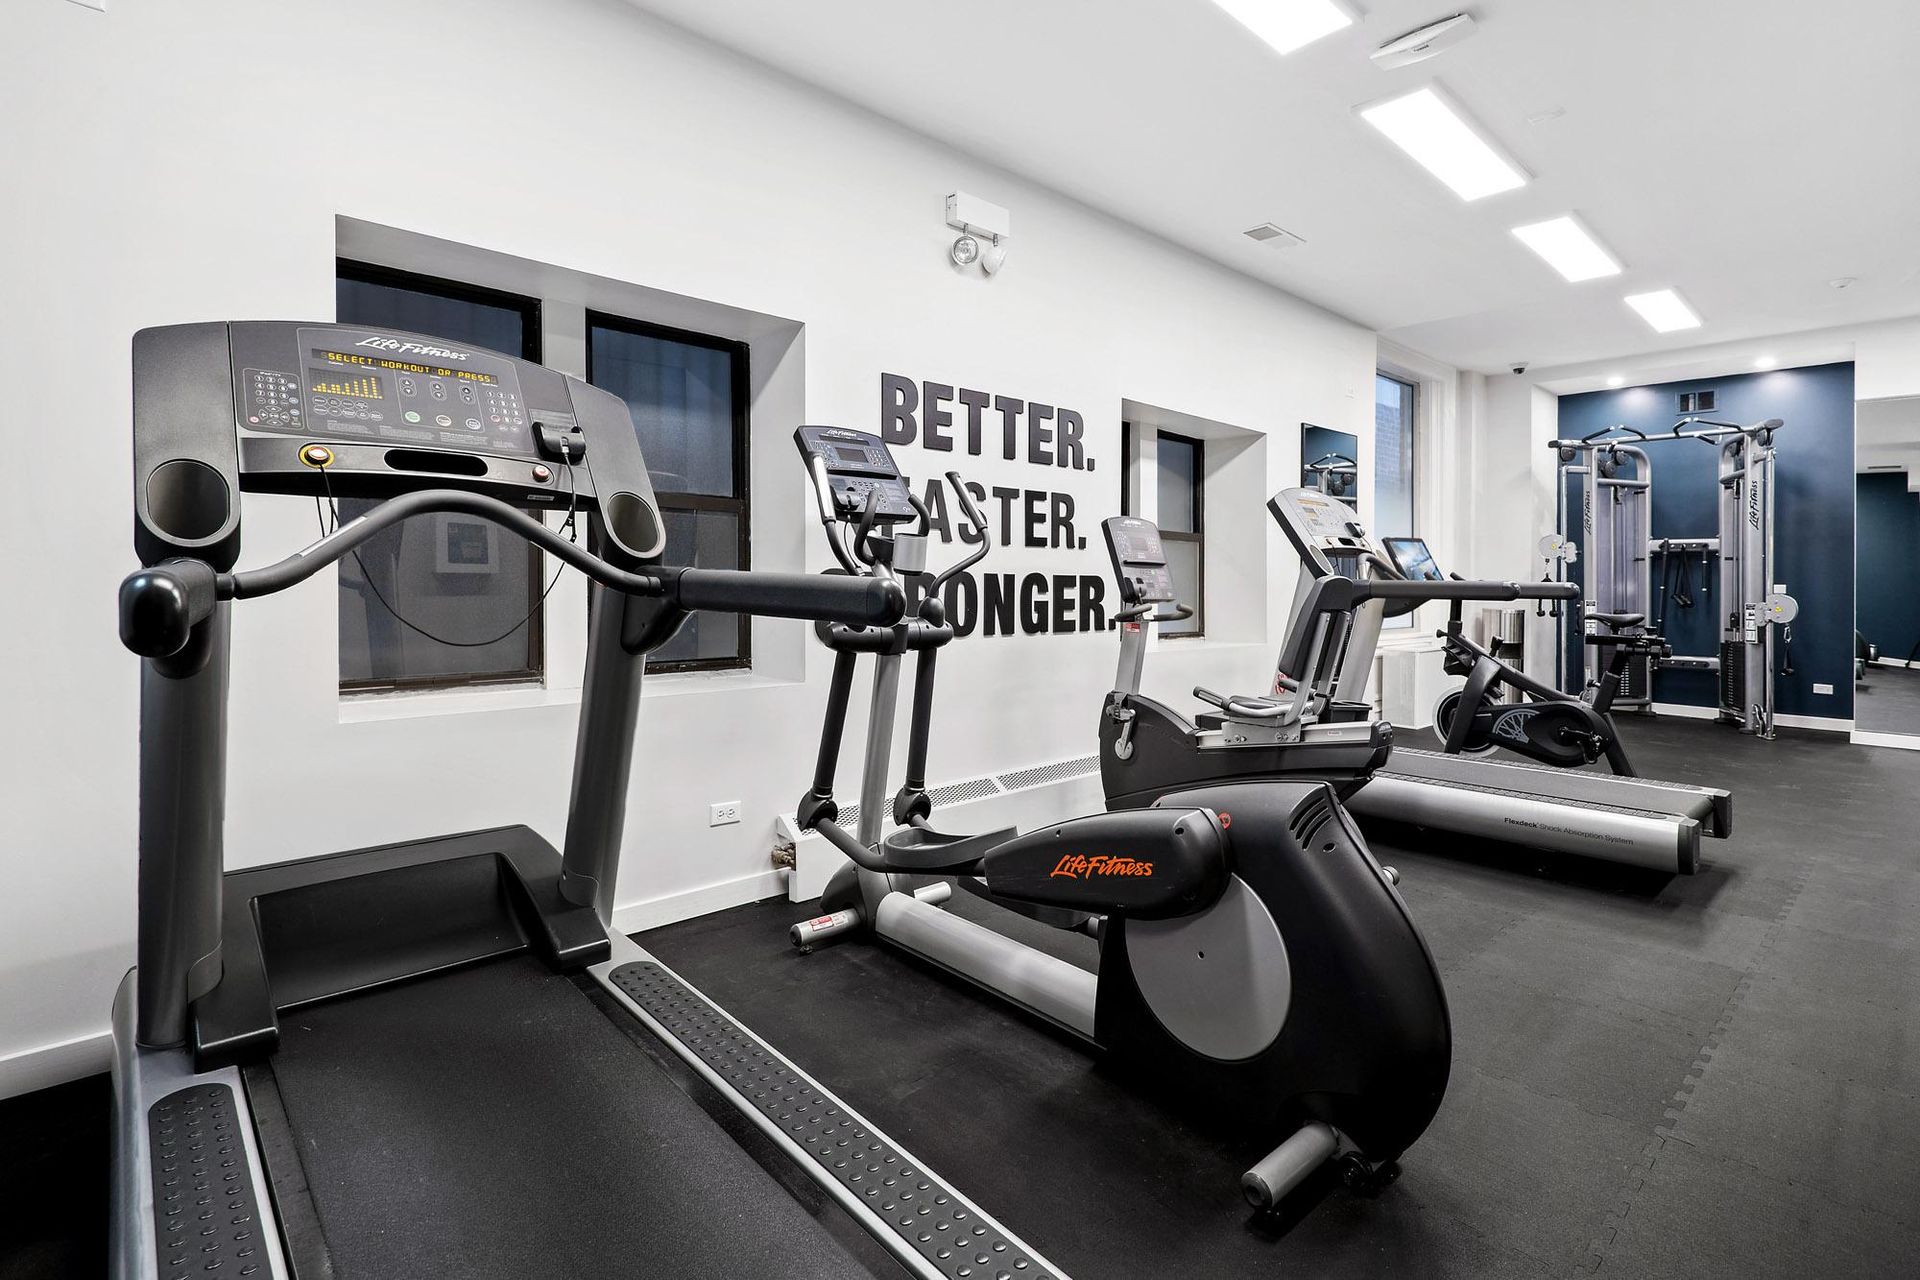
(145, 1081)
(869, 1174)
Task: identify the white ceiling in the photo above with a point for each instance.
(1746, 152)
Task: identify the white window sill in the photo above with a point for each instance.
(367, 708)
(1410, 640)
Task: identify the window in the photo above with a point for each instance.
(1393, 424)
(462, 580)
(688, 394)
(1392, 457)
(1182, 514)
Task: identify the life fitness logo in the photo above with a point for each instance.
(1080, 866)
(399, 348)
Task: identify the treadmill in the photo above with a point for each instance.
(1636, 821)
(435, 1058)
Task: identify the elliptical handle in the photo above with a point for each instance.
(865, 527)
(979, 523)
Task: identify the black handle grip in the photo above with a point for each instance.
(161, 605)
(825, 597)
(965, 498)
(1422, 589)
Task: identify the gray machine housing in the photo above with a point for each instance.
(1637, 821)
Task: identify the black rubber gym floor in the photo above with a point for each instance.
(1707, 1076)
(1716, 1075)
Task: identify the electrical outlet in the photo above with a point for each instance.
(1823, 688)
(728, 811)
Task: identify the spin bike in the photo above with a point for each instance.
(1547, 725)
(1255, 962)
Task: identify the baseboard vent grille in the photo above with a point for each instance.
(1059, 771)
(957, 792)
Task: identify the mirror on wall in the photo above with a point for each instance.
(1330, 462)
(1886, 667)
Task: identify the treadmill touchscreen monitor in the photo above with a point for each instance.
(1411, 557)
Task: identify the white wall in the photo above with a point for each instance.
(179, 162)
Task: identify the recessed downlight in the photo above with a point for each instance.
(1765, 362)
(1616, 380)
(1289, 24)
(1665, 310)
(1441, 139)
(1569, 248)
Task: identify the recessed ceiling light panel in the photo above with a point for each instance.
(1616, 381)
(1664, 309)
(1438, 135)
(1289, 24)
(1765, 362)
(1568, 248)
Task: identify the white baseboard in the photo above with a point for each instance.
(52, 1064)
(1825, 724)
(1898, 741)
(1682, 711)
(672, 908)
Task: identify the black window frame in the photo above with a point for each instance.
(740, 505)
(1198, 537)
(531, 348)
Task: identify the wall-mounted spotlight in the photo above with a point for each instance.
(978, 221)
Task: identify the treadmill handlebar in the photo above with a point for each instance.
(1463, 589)
(817, 597)
(161, 604)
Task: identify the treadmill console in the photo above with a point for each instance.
(1139, 560)
(856, 464)
(1320, 526)
(362, 385)
(347, 411)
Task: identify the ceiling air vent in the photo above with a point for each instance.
(1273, 236)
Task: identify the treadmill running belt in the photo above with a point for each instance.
(493, 1123)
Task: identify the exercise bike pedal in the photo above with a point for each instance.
(1365, 1178)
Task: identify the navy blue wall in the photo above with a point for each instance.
(1889, 563)
(1813, 521)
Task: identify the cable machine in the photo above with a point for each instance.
(1613, 525)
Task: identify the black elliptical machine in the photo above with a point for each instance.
(1545, 724)
(1255, 963)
